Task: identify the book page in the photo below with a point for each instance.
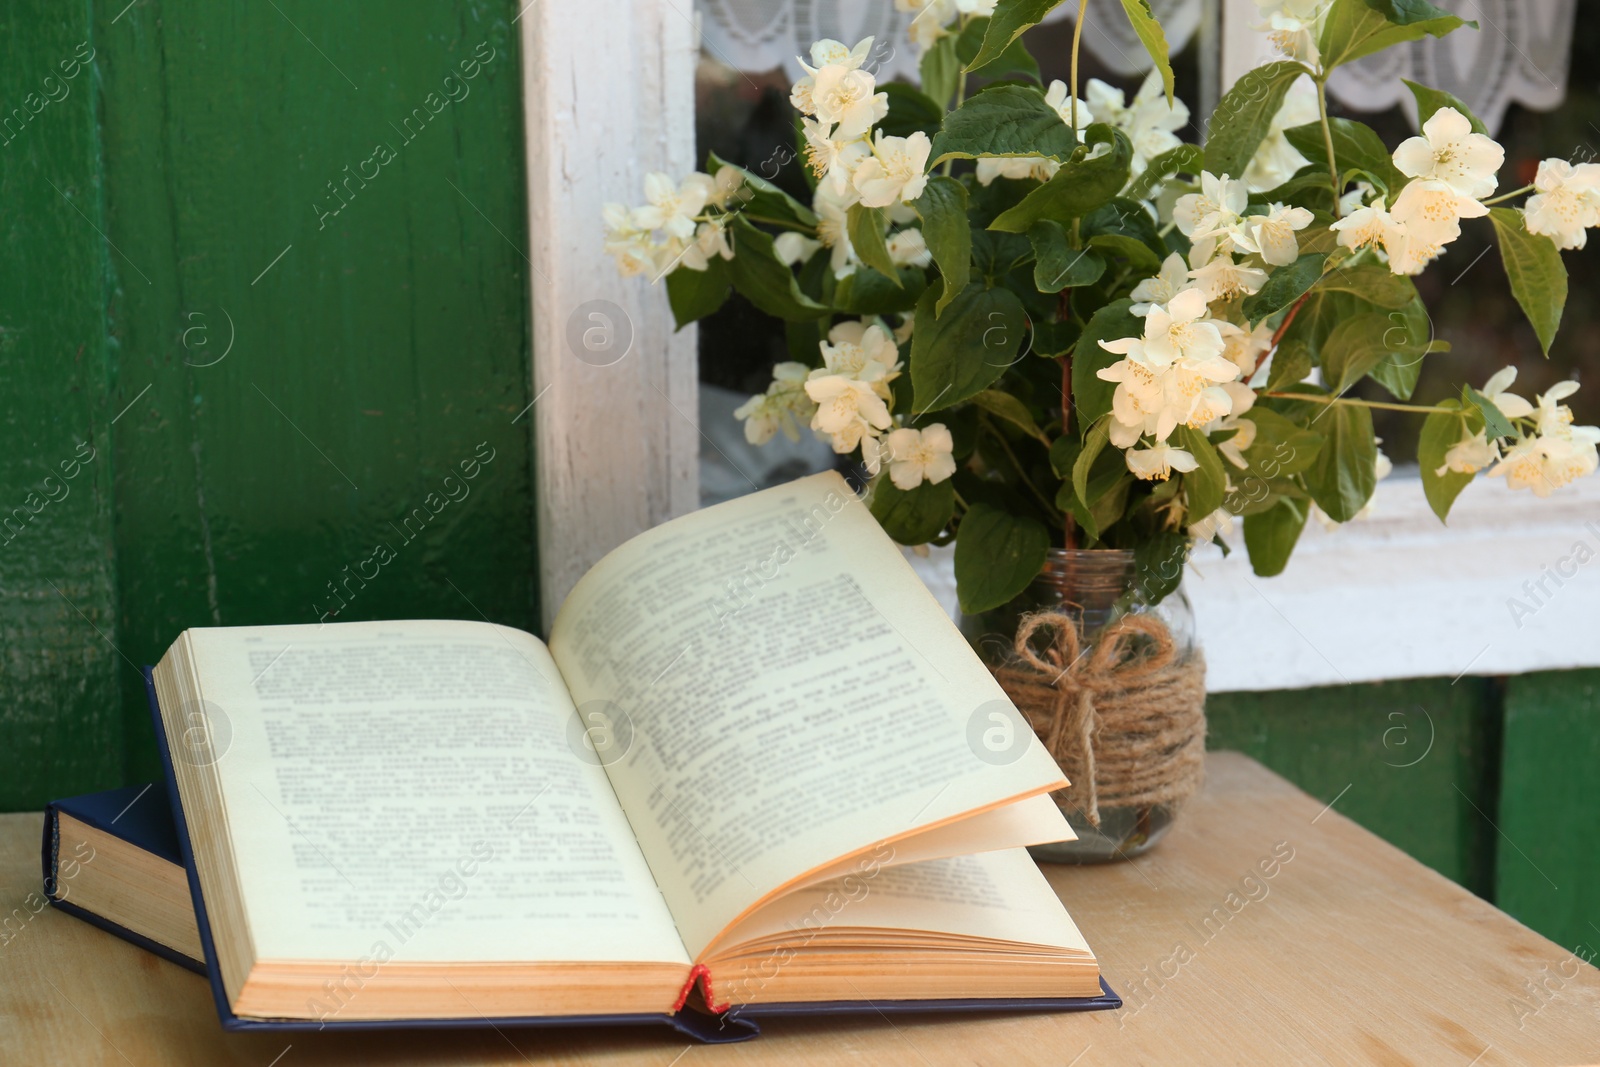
(785, 692)
(410, 791)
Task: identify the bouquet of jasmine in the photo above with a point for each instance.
(1039, 318)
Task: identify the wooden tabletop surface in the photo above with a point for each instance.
(1347, 952)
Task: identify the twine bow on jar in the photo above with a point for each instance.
(1125, 717)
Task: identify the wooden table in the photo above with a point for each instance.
(1350, 952)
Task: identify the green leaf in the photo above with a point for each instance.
(910, 111)
(1015, 60)
(1141, 258)
(959, 354)
(762, 197)
(1007, 407)
(694, 294)
(1356, 146)
(997, 555)
(1091, 396)
(1538, 276)
(1207, 484)
(1158, 565)
(1079, 187)
(1185, 159)
(940, 71)
(1373, 283)
(869, 292)
(1290, 364)
(1270, 536)
(1345, 473)
(1004, 120)
(1431, 100)
(1054, 339)
(913, 517)
(1311, 191)
(1408, 340)
(1284, 286)
(1152, 37)
(1282, 448)
(866, 227)
(1495, 424)
(943, 208)
(1356, 28)
(763, 279)
(1063, 454)
(1010, 19)
(1355, 346)
(1094, 442)
(1057, 264)
(1244, 117)
(1442, 431)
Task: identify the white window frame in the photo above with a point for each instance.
(610, 96)
(608, 91)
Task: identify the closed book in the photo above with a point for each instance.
(739, 780)
(113, 859)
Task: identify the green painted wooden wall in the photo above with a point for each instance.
(262, 289)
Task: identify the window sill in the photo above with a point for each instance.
(1510, 586)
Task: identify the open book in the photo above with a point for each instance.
(741, 770)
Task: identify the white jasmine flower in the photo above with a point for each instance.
(1553, 418)
(1545, 464)
(861, 352)
(1367, 227)
(909, 248)
(828, 52)
(633, 248)
(1222, 278)
(1213, 211)
(672, 208)
(1149, 122)
(1431, 210)
(1246, 350)
(782, 406)
(1018, 168)
(1567, 204)
(1173, 279)
(1356, 198)
(920, 454)
(833, 229)
(833, 161)
(1469, 455)
(1510, 405)
(1180, 329)
(710, 241)
(895, 171)
(929, 21)
(792, 247)
(1294, 26)
(1450, 152)
(846, 97)
(847, 410)
(1272, 236)
(1276, 161)
(1156, 463)
(1058, 97)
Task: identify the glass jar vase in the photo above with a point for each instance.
(1113, 684)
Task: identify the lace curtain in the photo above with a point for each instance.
(1520, 55)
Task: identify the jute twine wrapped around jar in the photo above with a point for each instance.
(1125, 719)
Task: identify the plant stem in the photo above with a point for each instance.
(1382, 405)
(1508, 196)
(1327, 137)
(961, 91)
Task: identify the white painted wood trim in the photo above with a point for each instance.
(608, 90)
(1397, 595)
